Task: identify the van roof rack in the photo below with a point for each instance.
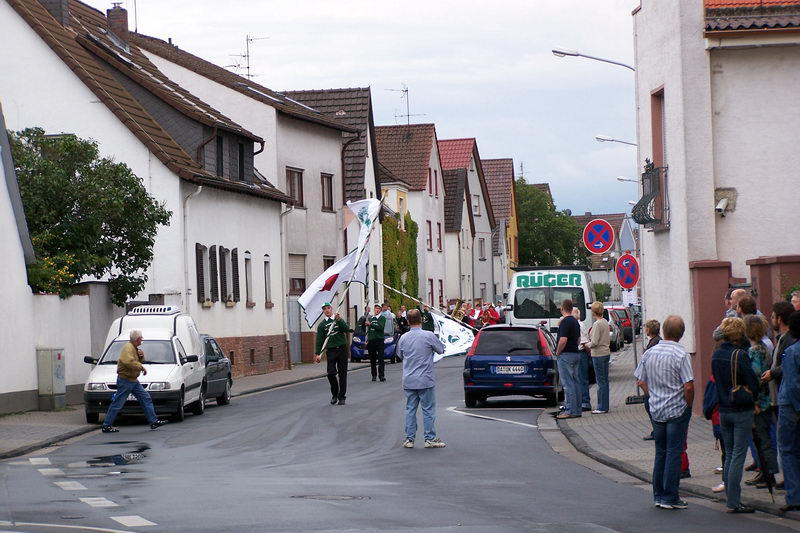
(155, 310)
(557, 267)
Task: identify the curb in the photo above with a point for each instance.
(695, 490)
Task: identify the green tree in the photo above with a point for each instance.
(400, 260)
(602, 291)
(88, 216)
(546, 236)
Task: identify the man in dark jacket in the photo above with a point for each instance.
(332, 338)
(427, 318)
(789, 418)
(375, 329)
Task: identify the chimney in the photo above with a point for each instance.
(59, 9)
(118, 21)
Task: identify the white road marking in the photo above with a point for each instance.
(70, 485)
(51, 471)
(133, 521)
(99, 502)
(455, 410)
(59, 526)
(39, 461)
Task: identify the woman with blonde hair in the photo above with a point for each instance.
(600, 346)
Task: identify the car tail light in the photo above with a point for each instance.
(545, 347)
(508, 384)
(626, 322)
(548, 384)
(472, 348)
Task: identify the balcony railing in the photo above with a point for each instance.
(652, 209)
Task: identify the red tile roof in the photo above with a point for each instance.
(499, 175)
(745, 3)
(86, 48)
(406, 151)
(455, 153)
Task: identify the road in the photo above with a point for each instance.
(286, 460)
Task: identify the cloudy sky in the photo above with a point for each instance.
(474, 68)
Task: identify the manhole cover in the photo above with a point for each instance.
(72, 517)
(330, 497)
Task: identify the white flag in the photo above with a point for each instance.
(456, 337)
(366, 211)
(324, 288)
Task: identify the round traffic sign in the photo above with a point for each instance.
(598, 236)
(627, 271)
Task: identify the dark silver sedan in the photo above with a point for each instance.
(219, 378)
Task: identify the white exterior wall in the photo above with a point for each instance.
(64, 324)
(483, 268)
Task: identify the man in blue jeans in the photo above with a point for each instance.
(569, 337)
(129, 366)
(789, 417)
(665, 373)
(417, 348)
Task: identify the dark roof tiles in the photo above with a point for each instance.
(406, 151)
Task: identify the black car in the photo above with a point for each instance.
(218, 371)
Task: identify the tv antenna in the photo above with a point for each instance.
(408, 115)
(522, 169)
(246, 56)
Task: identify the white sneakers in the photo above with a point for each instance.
(718, 488)
(408, 443)
(435, 443)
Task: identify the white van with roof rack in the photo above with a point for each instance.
(173, 356)
(535, 295)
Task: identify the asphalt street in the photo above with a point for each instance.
(286, 460)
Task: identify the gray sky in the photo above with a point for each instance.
(473, 70)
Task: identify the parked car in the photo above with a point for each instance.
(511, 360)
(219, 380)
(358, 347)
(624, 318)
(636, 311)
(173, 356)
(617, 339)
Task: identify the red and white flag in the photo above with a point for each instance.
(324, 288)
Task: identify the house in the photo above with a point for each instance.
(353, 107)
(602, 266)
(459, 225)
(411, 154)
(303, 154)
(463, 154)
(502, 187)
(718, 123)
(219, 257)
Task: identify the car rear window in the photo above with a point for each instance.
(545, 302)
(508, 342)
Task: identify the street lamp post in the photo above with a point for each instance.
(563, 52)
(606, 139)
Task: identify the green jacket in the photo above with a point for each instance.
(427, 320)
(376, 326)
(338, 337)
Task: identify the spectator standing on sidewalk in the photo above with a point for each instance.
(796, 300)
(789, 417)
(600, 346)
(665, 373)
(375, 344)
(568, 360)
(402, 322)
(416, 348)
(781, 311)
(583, 368)
(737, 387)
(652, 329)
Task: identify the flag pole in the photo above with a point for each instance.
(433, 308)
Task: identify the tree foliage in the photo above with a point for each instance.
(546, 236)
(602, 292)
(400, 260)
(88, 216)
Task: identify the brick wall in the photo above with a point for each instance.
(307, 343)
(251, 355)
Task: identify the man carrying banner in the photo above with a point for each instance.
(427, 319)
(331, 337)
(375, 327)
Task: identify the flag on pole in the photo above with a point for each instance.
(456, 337)
(324, 288)
(366, 211)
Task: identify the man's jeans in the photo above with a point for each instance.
(601, 375)
(669, 439)
(586, 400)
(737, 428)
(568, 373)
(427, 398)
(124, 388)
(789, 446)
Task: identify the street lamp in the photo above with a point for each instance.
(623, 178)
(563, 52)
(606, 139)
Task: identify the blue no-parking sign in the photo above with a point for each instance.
(627, 271)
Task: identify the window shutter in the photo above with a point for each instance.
(199, 251)
(223, 274)
(297, 266)
(212, 266)
(235, 273)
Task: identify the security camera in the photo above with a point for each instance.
(721, 206)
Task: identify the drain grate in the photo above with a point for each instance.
(329, 497)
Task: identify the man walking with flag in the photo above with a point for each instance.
(332, 338)
(375, 335)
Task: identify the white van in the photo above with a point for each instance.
(535, 295)
(173, 357)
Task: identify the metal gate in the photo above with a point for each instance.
(293, 320)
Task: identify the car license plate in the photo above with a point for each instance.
(131, 398)
(509, 369)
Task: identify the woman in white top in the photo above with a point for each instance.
(600, 346)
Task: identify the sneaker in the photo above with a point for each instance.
(435, 443)
(718, 470)
(157, 424)
(109, 429)
(752, 467)
(680, 504)
(756, 480)
(383, 379)
(662, 505)
(718, 488)
(649, 437)
(374, 378)
(408, 443)
(585, 408)
(598, 412)
(742, 509)
(341, 402)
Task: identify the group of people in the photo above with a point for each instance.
(483, 314)
(752, 399)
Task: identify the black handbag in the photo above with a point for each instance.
(741, 395)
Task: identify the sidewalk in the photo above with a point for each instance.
(21, 433)
(615, 439)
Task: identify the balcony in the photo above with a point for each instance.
(652, 209)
